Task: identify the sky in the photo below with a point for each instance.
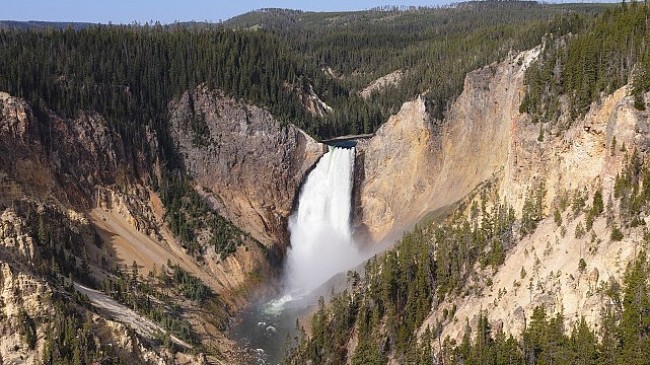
(169, 11)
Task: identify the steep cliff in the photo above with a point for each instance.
(68, 158)
(395, 165)
(557, 266)
(101, 213)
(414, 165)
(486, 147)
(248, 164)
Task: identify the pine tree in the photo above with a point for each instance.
(635, 320)
(584, 345)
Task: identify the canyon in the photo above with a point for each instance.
(249, 167)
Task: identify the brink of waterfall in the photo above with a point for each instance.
(321, 236)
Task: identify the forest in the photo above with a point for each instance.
(624, 336)
(435, 47)
(577, 70)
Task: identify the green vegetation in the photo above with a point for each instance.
(145, 298)
(582, 265)
(138, 70)
(191, 287)
(597, 208)
(26, 328)
(151, 296)
(616, 235)
(624, 334)
(580, 231)
(188, 215)
(394, 286)
(533, 210)
(69, 339)
(60, 247)
(557, 217)
(399, 288)
(632, 189)
(129, 74)
(436, 47)
(462, 243)
(599, 59)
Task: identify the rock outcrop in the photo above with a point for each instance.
(67, 158)
(248, 163)
(390, 80)
(580, 159)
(544, 268)
(313, 103)
(394, 165)
(414, 165)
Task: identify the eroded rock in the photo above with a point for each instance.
(249, 164)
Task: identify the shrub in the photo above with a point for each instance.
(580, 230)
(616, 235)
(582, 265)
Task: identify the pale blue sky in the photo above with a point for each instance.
(168, 11)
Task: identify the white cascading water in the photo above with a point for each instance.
(321, 236)
(321, 247)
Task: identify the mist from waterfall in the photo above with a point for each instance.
(321, 247)
(321, 236)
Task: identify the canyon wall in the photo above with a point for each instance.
(414, 165)
(249, 165)
(545, 267)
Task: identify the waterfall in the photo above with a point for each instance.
(321, 247)
(321, 236)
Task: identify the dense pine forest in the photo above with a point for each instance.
(435, 47)
(577, 70)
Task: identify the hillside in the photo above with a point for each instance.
(32, 24)
(436, 47)
(73, 214)
(148, 175)
(541, 258)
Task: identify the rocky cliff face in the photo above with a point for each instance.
(64, 157)
(79, 163)
(80, 168)
(395, 166)
(544, 268)
(249, 165)
(313, 103)
(414, 165)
